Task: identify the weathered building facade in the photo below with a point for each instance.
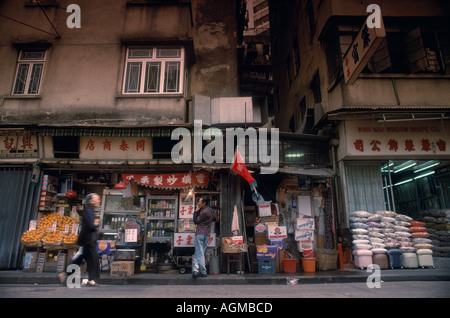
(92, 90)
(86, 68)
(388, 119)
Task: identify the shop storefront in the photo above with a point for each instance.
(398, 166)
(294, 226)
(309, 212)
(147, 205)
(141, 224)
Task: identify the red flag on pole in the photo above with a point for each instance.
(239, 167)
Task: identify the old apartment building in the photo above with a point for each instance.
(90, 91)
(380, 94)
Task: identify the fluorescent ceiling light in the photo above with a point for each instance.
(424, 175)
(405, 166)
(403, 182)
(294, 155)
(427, 166)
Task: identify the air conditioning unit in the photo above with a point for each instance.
(230, 111)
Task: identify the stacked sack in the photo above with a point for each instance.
(361, 244)
(377, 230)
(359, 230)
(437, 223)
(377, 233)
(420, 236)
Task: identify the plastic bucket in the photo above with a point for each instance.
(308, 253)
(309, 265)
(214, 265)
(289, 265)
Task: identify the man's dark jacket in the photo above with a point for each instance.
(203, 218)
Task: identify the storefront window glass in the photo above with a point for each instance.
(404, 186)
(411, 186)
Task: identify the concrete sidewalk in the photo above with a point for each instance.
(441, 272)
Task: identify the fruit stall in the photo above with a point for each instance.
(49, 243)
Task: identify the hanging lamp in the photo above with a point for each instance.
(71, 194)
(120, 186)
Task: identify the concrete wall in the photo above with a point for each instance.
(83, 74)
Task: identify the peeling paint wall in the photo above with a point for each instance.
(84, 69)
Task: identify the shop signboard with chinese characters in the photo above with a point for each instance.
(187, 205)
(361, 50)
(115, 147)
(169, 180)
(371, 139)
(14, 145)
(187, 240)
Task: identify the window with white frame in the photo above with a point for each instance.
(30, 66)
(154, 70)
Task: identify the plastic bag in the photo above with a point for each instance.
(420, 234)
(417, 229)
(358, 225)
(361, 214)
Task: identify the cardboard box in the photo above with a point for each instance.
(272, 218)
(304, 235)
(122, 269)
(279, 243)
(305, 224)
(305, 245)
(260, 228)
(277, 232)
(229, 247)
(237, 240)
(30, 261)
(261, 238)
(266, 251)
(106, 247)
(264, 210)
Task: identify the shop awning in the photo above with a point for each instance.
(169, 180)
(107, 132)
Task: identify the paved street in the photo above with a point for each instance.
(417, 289)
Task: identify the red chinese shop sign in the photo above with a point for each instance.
(394, 139)
(170, 180)
(23, 145)
(187, 240)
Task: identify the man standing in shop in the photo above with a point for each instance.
(87, 240)
(204, 216)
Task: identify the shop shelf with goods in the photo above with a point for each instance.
(116, 212)
(47, 201)
(161, 217)
(160, 221)
(184, 237)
